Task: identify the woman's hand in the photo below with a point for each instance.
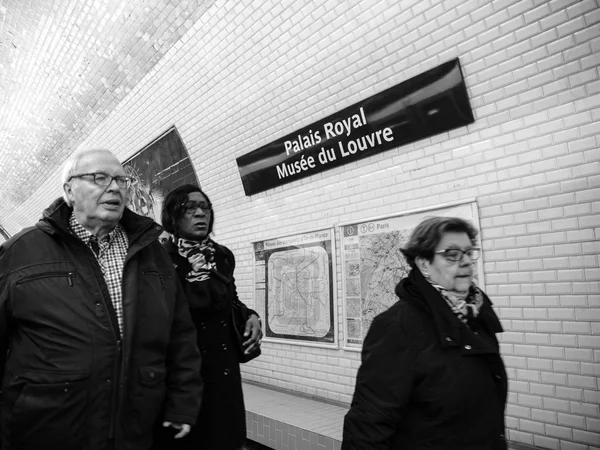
(183, 428)
(254, 333)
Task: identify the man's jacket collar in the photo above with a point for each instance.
(55, 219)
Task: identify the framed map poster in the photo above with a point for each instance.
(372, 264)
(294, 287)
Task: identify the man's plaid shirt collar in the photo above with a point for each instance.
(111, 253)
(85, 235)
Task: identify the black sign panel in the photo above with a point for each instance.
(423, 106)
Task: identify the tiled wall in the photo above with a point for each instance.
(249, 72)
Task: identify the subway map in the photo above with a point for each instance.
(382, 267)
(374, 265)
(298, 288)
(298, 281)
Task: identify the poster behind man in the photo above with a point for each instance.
(157, 169)
(4, 236)
(372, 264)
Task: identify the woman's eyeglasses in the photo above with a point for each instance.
(191, 207)
(455, 254)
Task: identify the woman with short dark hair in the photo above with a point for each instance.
(205, 270)
(431, 374)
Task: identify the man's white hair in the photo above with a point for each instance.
(70, 167)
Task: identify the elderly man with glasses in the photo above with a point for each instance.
(96, 340)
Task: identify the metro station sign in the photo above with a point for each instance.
(428, 104)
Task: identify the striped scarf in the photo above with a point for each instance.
(200, 255)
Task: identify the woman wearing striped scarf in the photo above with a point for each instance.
(205, 269)
(431, 374)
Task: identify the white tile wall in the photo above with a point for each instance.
(251, 71)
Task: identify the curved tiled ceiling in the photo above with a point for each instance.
(64, 66)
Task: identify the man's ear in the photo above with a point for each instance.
(68, 192)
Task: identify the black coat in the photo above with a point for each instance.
(70, 381)
(221, 424)
(427, 381)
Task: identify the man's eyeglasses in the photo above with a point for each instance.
(104, 179)
(455, 255)
(191, 207)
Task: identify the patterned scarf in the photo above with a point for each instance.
(200, 255)
(465, 305)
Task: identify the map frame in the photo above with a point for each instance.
(467, 209)
(262, 252)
